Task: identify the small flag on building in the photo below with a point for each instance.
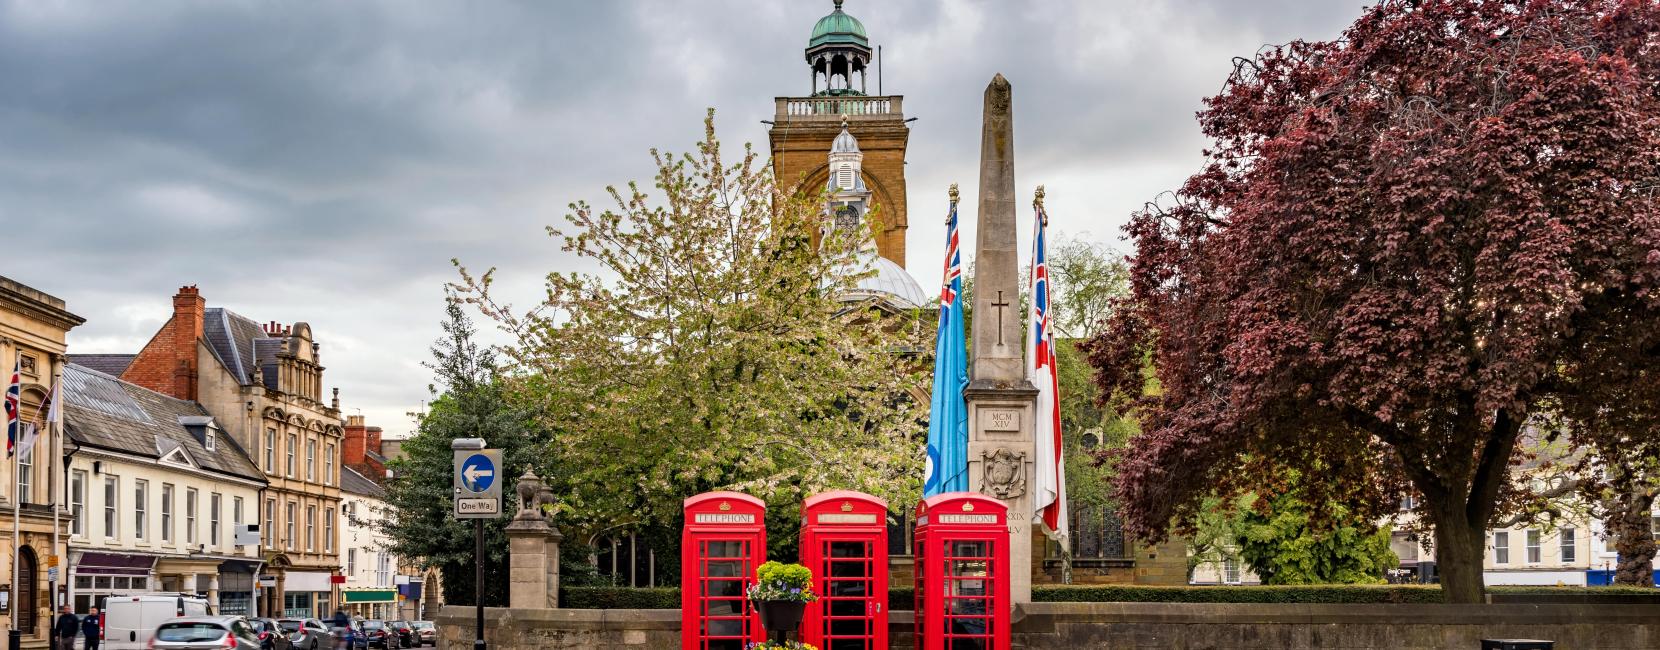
(32, 429)
(1050, 491)
(14, 415)
(947, 468)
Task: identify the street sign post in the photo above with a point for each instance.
(477, 483)
(477, 497)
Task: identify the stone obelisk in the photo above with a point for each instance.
(1000, 398)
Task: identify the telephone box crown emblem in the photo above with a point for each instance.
(724, 506)
(968, 507)
(847, 506)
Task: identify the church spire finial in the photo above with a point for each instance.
(838, 5)
(1037, 205)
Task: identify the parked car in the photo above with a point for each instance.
(271, 635)
(350, 637)
(425, 633)
(205, 632)
(380, 636)
(308, 633)
(406, 634)
(131, 621)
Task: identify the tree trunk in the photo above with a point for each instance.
(1460, 553)
(1629, 525)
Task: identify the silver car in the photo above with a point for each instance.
(206, 633)
(308, 633)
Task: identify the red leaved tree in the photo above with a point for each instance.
(1403, 245)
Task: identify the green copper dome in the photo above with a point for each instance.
(838, 28)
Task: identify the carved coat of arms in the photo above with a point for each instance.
(1003, 473)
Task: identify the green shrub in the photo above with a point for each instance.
(619, 598)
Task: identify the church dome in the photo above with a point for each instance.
(890, 283)
(838, 28)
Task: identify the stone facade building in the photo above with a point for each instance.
(264, 385)
(33, 329)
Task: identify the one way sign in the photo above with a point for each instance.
(477, 483)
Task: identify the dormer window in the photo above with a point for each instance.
(211, 439)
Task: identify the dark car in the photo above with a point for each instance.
(406, 634)
(271, 635)
(380, 636)
(351, 636)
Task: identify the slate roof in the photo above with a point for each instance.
(355, 483)
(236, 340)
(109, 364)
(103, 412)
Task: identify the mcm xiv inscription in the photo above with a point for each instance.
(1007, 420)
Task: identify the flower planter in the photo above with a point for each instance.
(781, 615)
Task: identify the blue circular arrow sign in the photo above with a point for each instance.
(478, 473)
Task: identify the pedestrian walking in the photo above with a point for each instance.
(91, 629)
(64, 630)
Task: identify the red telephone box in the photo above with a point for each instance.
(962, 581)
(723, 542)
(844, 540)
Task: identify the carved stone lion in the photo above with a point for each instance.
(1003, 474)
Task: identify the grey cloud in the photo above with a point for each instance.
(323, 161)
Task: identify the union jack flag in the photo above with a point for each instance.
(14, 418)
(1050, 492)
(953, 265)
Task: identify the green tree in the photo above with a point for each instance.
(1286, 543)
(469, 401)
(717, 348)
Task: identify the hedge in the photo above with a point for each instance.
(903, 598)
(619, 598)
(1238, 594)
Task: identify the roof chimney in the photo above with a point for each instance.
(352, 447)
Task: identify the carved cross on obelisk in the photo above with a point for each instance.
(1000, 304)
(1000, 398)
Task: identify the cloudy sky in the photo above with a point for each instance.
(323, 161)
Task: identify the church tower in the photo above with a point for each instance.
(807, 130)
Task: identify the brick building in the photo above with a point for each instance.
(805, 128)
(264, 385)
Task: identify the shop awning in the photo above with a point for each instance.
(114, 564)
(370, 596)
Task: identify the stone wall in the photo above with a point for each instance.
(558, 629)
(1116, 626)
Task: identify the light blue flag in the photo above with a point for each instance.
(947, 469)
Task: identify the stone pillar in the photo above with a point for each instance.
(533, 547)
(1000, 398)
(213, 591)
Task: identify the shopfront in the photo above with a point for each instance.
(95, 576)
(371, 603)
(236, 587)
(307, 593)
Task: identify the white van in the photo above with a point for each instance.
(130, 621)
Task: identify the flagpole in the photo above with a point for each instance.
(54, 416)
(16, 498)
